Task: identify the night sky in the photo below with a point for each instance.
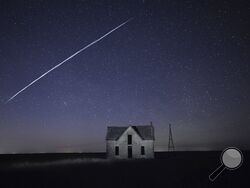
(181, 62)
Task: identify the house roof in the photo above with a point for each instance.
(146, 132)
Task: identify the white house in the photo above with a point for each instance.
(130, 142)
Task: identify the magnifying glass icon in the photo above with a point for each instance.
(231, 159)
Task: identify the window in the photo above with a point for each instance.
(116, 150)
(142, 150)
(129, 139)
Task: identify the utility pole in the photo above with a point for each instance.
(170, 140)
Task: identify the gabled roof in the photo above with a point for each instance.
(114, 133)
(146, 132)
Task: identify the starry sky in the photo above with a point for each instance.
(181, 62)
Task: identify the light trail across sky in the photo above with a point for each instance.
(70, 57)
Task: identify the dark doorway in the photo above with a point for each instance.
(129, 151)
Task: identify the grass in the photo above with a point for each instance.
(175, 169)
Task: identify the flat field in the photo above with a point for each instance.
(168, 169)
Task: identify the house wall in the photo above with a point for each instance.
(137, 142)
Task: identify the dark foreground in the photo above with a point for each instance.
(176, 169)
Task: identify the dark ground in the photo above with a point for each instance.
(175, 169)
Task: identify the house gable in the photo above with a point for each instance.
(130, 130)
(145, 132)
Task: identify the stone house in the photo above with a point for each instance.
(130, 142)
